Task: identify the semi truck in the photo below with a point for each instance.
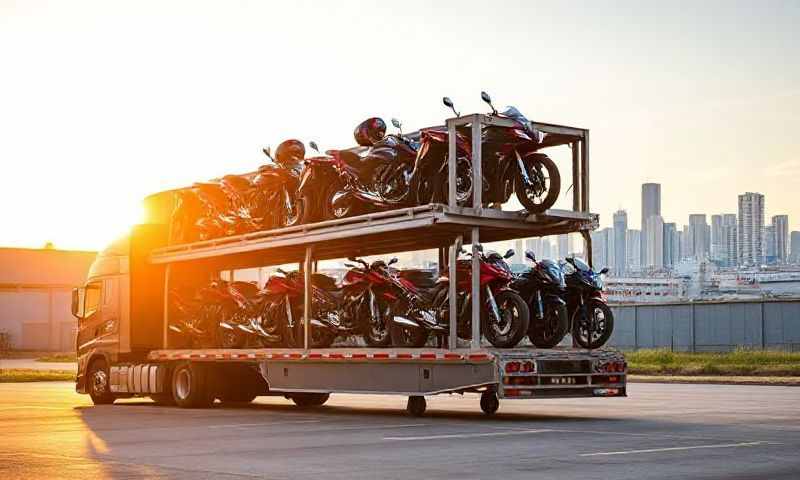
(125, 347)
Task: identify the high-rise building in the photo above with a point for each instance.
(603, 249)
(750, 229)
(794, 248)
(781, 225)
(535, 245)
(632, 241)
(519, 252)
(651, 205)
(620, 251)
(728, 253)
(564, 245)
(699, 232)
(670, 245)
(655, 242)
(717, 238)
(547, 249)
(686, 250)
(770, 253)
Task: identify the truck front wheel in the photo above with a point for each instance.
(99, 383)
(192, 386)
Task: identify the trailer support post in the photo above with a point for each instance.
(476, 290)
(453, 315)
(166, 306)
(451, 163)
(477, 177)
(576, 177)
(307, 295)
(585, 172)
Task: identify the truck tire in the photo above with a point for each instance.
(489, 402)
(416, 405)
(192, 386)
(310, 400)
(98, 383)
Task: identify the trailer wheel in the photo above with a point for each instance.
(99, 383)
(308, 400)
(416, 405)
(489, 402)
(191, 386)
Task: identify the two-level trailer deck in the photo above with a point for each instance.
(139, 360)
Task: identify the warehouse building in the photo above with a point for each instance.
(35, 296)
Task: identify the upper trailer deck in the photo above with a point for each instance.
(406, 229)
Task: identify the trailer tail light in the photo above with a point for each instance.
(516, 392)
(605, 392)
(519, 380)
(520, 367)
(528, 367)
(513, 367)
(610, 367)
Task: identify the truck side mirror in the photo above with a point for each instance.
(77, 302)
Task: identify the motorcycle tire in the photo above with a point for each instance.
(599, 336)
(330, 213)
(378, 335)
(229, 338)
(553, 189)
(509, 332)
(299, 216)
(464, 184)
(550, 330)
(317, 337)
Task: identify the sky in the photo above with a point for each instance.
(103, 103)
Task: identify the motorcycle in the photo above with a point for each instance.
(208, 318)
(542, 287)
(511, 161)
(276, 201)
(592, 319)
(504, 316)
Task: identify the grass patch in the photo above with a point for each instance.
(18, 375)
(736, 363)
(58, 358)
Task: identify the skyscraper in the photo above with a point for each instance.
(729, 234)
(717, 238)
(699, 236)
(620, 232)
(564, 245)
(781, 225)
(670, 244)
(794, 248)
(686, 244)
(632, 241)
(603, 249)
(750, 229)
(770, 253)
(655, 242)
(651, 205)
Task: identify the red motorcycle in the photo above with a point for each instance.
(511, 161)
(504, 316)
(276, 201)
(208, 317)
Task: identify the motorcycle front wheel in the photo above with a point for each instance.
(329, 212)
(294, 214)
(546, 183)
(550, 330)
(595, 331)
(511, 327)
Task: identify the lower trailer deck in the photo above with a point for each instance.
(511, 373)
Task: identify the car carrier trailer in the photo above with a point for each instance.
(124, 341)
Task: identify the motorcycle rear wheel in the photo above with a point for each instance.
(533, 201)
(550, 330)
(602, 327)
(507, 331)
(407, 336)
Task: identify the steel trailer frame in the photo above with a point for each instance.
(458, 222)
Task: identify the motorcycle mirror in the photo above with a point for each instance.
(268, 152)
(509, 253)
(530, 255)
(313, 145)
(398, 125)
(570, 260)
(479, 247)
(392, 261)
(352, 259)
(449, 103)
(486, 98)
(604, 271)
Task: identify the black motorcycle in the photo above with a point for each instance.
(592, 319)
(542, 287)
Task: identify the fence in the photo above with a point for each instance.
(708, 326)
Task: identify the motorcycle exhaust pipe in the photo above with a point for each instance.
(227, 326)
(405, 322)
(175, 328)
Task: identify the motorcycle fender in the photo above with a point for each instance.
(341, 198)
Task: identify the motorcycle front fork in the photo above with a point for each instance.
(523, 171)
(539, 305)
(490, 301)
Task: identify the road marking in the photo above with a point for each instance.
(262, 424)
(469, 435)
(675, 449)
(32, 407)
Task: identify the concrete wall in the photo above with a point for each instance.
(718, 326)
(35, 296)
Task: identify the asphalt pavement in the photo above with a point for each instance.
(661, 431)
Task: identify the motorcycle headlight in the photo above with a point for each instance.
(599, 282)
